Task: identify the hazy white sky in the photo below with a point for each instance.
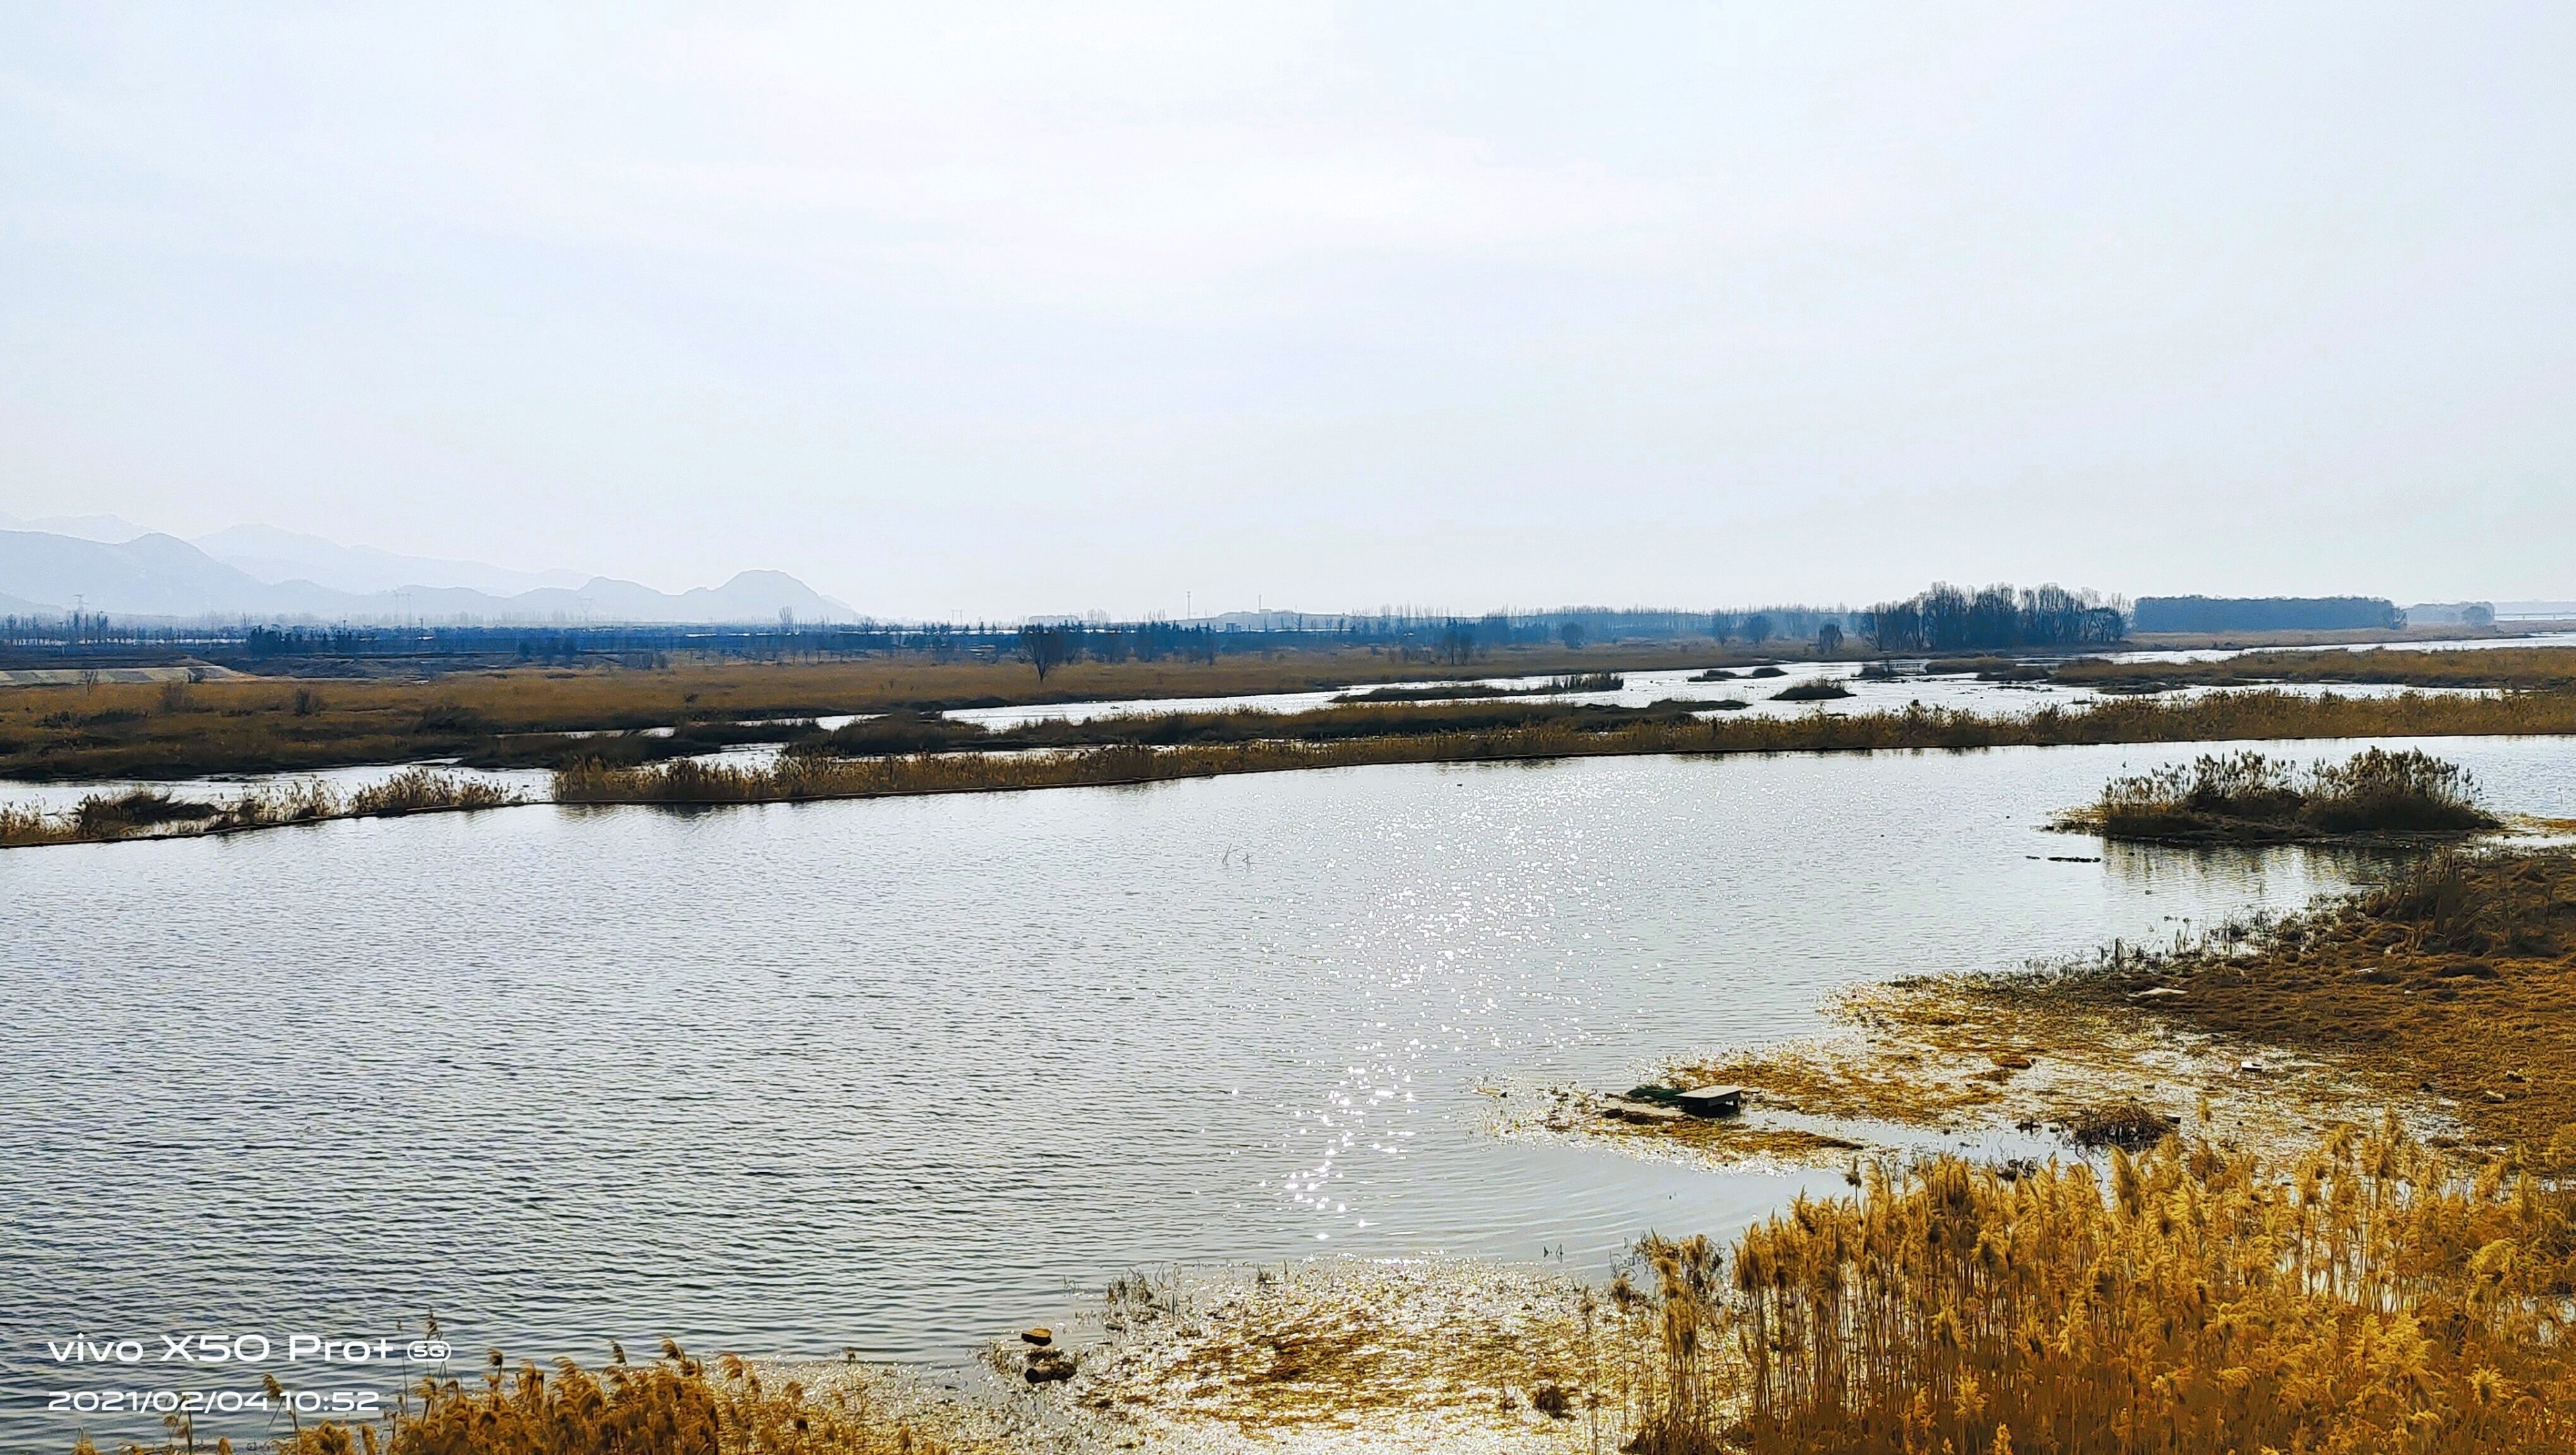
(1002, 309)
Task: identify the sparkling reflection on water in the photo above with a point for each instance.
(897, 1075)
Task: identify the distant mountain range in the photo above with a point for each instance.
(258, 572)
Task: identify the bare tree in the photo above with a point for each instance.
(1829, 640)
(1458, 644)
(1049, 647)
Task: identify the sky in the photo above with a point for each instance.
(1001, 309)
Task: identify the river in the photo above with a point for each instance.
(898, 1075)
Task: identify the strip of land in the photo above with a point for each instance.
(2550, 669)
(181, 729)
(903, 756)
(1351, 736)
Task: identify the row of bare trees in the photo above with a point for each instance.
(1949, 619)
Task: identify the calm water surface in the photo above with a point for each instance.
(899, 1075)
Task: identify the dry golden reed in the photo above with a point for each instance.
(2514, 668)
(149, 813)
(2364, 1299)
(269, 725)
(2452, 979)
(2217, 717)
(2251, 797)
(674, 1405)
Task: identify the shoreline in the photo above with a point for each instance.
(2434, 999)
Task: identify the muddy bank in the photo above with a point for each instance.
(2442, 997)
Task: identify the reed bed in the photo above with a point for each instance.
(1353, 736)
(1439, 692)
(496, 718)
(2364, 1298)
(673, 1405)
(1151, 748)
(518, 717)
(801, 778)
(420, 790)
(149, 813)
(2249, 797)
(1341, 721)
(2551, 669)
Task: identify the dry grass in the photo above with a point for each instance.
(2362, 1298)
(794, 779)
(2217, 717)
(420, 790)
(2551, 669)
(145, 813)
(2454, 982)
(256, 725)
(2251, 798)
(1339, 722)
(501, 718)
(674, 1405)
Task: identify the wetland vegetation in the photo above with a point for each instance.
(908, 753)
(2516, 669)
(1569, 682)
(2443, 989)
(149, 813)
(519, 717)
(2367, 1295)
(1199, 744)
(2291, 1280)
(2252, 798)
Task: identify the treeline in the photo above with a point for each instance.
(92, 640)
(2269, 613)
(1949, 619)
(1944, 618)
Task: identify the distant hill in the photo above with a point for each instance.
(113, 529)
(163, 576)
(275, 555)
